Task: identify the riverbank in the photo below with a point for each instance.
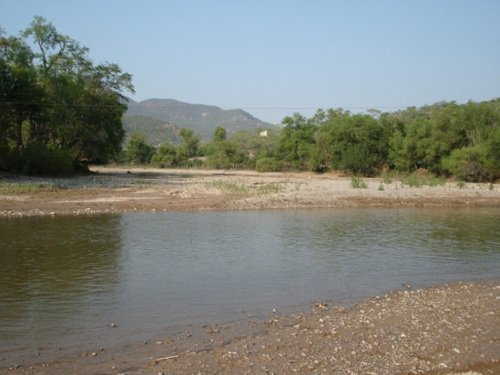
(116, 190)
(447, 329)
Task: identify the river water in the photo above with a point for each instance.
(65, 280)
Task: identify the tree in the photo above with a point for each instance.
(190, 145)
(138, 151)
(297, 141)
(53, 95)
(220, 134)
(166, 156)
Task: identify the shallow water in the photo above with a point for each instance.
(65, 280)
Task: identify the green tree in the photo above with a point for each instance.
(53, 95)
(356, 143)
(138, 151)
(297, 141)
(190, 146)
(166, 156)
(220, 134)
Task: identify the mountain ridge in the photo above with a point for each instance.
(201, 118)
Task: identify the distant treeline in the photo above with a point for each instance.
(58, 111)
(446, 139)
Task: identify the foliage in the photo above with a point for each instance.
(230, 187)
(424, 145)
(358, 183)
(448, 138)
(56, 104)
(27, 188)
(267, 164)
(222, 153)
(166, 156)
(137, 151)
(297, 141)
(202, 119)
(155, 131)
(418, 180)
(220, 134)
(360, 144)
(190, 146)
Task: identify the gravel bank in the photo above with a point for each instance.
(448, 329)
(115, 190)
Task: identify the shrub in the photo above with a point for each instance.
(40, 159)
(267, 164)
(468, 164)
(358, 183)
(418, 180)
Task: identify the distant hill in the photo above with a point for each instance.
(155, 131)
(202, 119)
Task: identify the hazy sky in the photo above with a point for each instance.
(274, 57)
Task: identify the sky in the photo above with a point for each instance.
(273, 58)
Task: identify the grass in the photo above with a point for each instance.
(386, 177)
(240, 188)
(381, 187)
(358, 183)
(416, 180)
(229, 187)
(26, 188)
(271, 188)
(143, 182)
(461, 184)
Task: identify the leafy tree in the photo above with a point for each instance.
(222, 153)
(53, 95)
(220, 134)
(166, 156)
(190, 146)
(355, 143)
(138, 151)
(297, 141)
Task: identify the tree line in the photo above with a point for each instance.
(58, 110)
(445, 139)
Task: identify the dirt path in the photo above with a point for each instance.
(113, 190)
(450, 329)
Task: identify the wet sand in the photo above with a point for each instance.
(447, 329)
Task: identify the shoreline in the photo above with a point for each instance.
(119, 190)
(442, 329)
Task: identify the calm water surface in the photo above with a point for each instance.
(63, 281)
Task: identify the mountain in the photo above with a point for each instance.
(155, 131)
(202, 119)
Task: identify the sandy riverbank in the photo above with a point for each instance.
(113, 190)
(448, 329)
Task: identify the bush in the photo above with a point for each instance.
(166, 156)
(40, 159)
(358, 183)
(417, 179)
(468, 164)
(138, 151)
(267, 164)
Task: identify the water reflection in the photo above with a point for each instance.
(63, 280)
(53, 269)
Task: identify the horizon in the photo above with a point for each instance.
(275, 59)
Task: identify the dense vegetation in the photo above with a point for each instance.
(445, 139)
(58, 111)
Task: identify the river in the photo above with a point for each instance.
(71, 282)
